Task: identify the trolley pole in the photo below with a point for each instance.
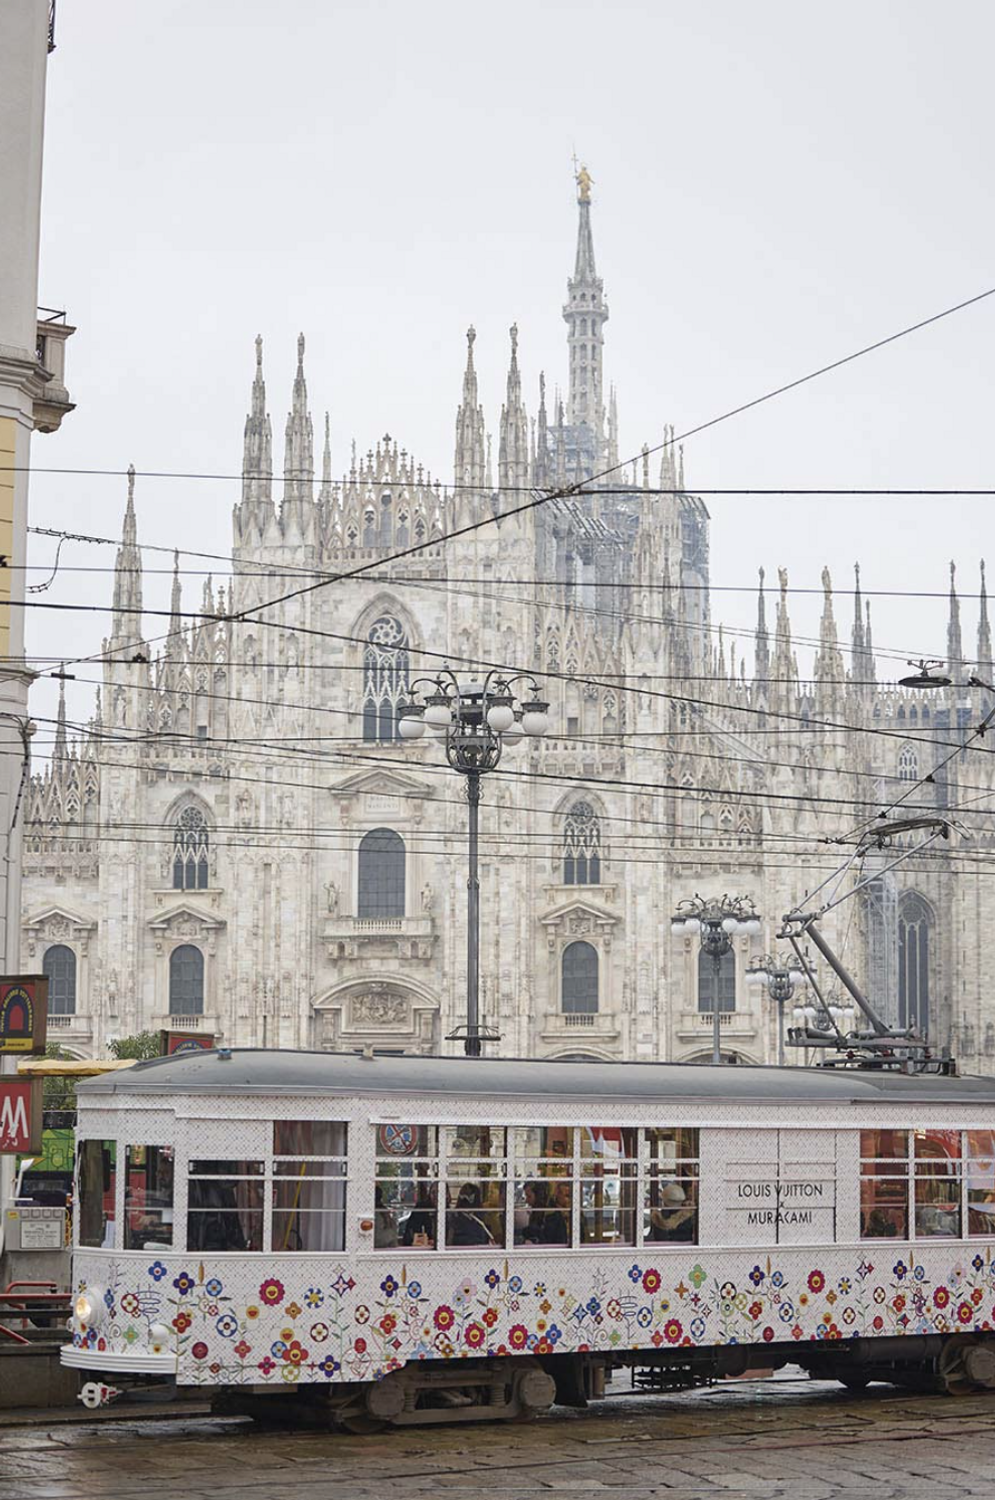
(473, 1048)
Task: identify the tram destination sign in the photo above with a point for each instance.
(172, 1042)
(20, 1116)
(24, 1014)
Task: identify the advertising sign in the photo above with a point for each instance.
(20, 1116)
(172, 1042)
(23, 1014)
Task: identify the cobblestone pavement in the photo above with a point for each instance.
(789, 1438)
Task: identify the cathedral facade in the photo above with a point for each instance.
(240, 844)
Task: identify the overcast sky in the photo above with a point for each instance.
(775, 185)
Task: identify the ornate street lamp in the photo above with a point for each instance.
(715, 923)
(781, 975)
(478, 721)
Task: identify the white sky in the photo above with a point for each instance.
(775, 185)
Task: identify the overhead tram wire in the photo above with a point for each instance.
(566, 491)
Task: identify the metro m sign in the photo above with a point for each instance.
(20, 1116)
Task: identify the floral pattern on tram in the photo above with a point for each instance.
(229, 1327)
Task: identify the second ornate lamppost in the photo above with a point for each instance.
(478, 720)
(781, 975)
(715, 923)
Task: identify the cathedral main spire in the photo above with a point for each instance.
(585, 315)
(984, 633)
(126, 619)
(470, 461)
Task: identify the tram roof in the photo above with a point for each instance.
(257, 1071)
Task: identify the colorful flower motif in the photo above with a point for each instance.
(644, 1317)
(295, 1353)
(359, 1345)
(518, 1336)
(444, 1318)
(849, 1315)
(182, 1322)
(490, 1317)
(184, 1283)
(898, 1303)
(227, 1325)
(341, 1285)
(673, 1330)
(844, 1286)
(252, 1312)
(492, 1279)
(278, 1349)
(514, 1285)
(919, 1272)
(697, 1277)
(292, 1310)
(329, 1366)
(877, 1323)
(474, 1335)
(389, 1286)
(593, 1306)
(199, 1350)
(387, 1324)
(539, 1290)
(697, 1328)
(777, 1278)
(314, 1296)
(900, 1270)
(879, 1294)
(271, 1292)
(213, 1288)
(266, 1366)
(651, 1280)
(414, 1289)
(756, 1275)
(242, 1349)
(941, 1296)
(157, 1270)
(977, 1263)
(816, 1281)
(634, 1273)
(727, 1291)
(756, 1308)
(768, 1334)
(965, 1313)
(362, 1313)
(554, 1334)
(786, 1311)
(130, 1304)
(130, 1334)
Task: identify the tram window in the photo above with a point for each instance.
(670, 1184)
(225, 1205)
(475, 1182)
(148, 1197)
(406, 1187)
(980, 1169)
(608, 1181)
(937, 1183)
(97, 1191)
(544, 1185)
(309, 1186)
(884, 1184)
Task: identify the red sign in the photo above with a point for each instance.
(20, 1116)
(172, 1042)
(23, 1013)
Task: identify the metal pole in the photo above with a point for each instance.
(780, 1001)
(472, 1043)
(716, 1026)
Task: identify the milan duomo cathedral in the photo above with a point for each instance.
(241, 846)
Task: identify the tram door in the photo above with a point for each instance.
(785, 1194)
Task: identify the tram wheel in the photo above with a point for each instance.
(966, 1365)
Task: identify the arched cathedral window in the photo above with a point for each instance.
(186, 981)
(579, 980)
(908, 764)
(190, 851)
(381, 875)
(582, 846)
(709, 982)
(914, 923)
(385, 678)
(59, 964)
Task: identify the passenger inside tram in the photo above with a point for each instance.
(465, 1224)
(548, 1221)
(674, 1219)
(420, 1226)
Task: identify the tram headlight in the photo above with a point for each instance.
(90, 1307)
(159, 1338)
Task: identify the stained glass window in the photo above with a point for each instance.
(385, 678)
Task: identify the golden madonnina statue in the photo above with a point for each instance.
(584, 181)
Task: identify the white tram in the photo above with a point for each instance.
(416, 1239)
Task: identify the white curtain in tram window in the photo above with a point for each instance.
(320, 1200)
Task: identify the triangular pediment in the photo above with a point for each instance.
(56, 915)
(383, 782)
(585, 911)
(185, 911)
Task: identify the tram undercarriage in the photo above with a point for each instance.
(516, 1390)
